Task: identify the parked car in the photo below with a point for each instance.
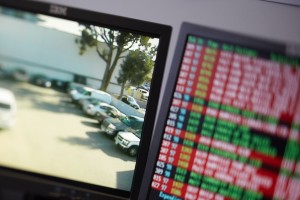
(41, 80)
(60, 85)
(130, 101)
(102, 111)
(85, 103)
(144, 94)
(144, 87)
(20, 75)
(4, 73)
(111, 126)
(80, 93)
(129, 142)
(74, 87)
(86, 93)
(8, 109)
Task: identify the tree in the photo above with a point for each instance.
(117, 44)
(135, 69)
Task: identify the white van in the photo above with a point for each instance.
(102, 96)
(80, 92)
(8, 109)
(87, 93)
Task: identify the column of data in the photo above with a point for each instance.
(233, 126)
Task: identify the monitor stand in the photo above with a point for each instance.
(12, 194)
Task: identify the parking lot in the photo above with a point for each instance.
(52, 136)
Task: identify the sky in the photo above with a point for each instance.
(66, 25)
(60, 24)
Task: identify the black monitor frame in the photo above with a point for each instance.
(192, 29)
(30, 182)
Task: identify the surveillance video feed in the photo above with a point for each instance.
(72, 98)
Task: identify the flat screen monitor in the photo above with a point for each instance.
(78, 98)
(230, 125)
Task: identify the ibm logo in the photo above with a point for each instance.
(59, 10)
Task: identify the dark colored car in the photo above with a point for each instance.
(130, 101)
(41, 80)
(4, 73)
(111, 126)
(60, 85)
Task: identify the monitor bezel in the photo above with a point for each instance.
(187, 29)
(34, 182)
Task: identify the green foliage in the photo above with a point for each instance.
(135, 69)
(86, 39)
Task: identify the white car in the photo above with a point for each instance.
(144, 93)
(101, 107)
(128, 141)
(8, 109)
(103, 110)
(86, 103)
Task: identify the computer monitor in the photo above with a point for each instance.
(230, 126)
(78, 98)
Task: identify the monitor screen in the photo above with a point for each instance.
(231, 127)
(78, 97)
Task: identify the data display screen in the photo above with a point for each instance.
(232, 126)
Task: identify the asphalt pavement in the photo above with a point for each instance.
(52, 136)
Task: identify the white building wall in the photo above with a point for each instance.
(54, 53)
